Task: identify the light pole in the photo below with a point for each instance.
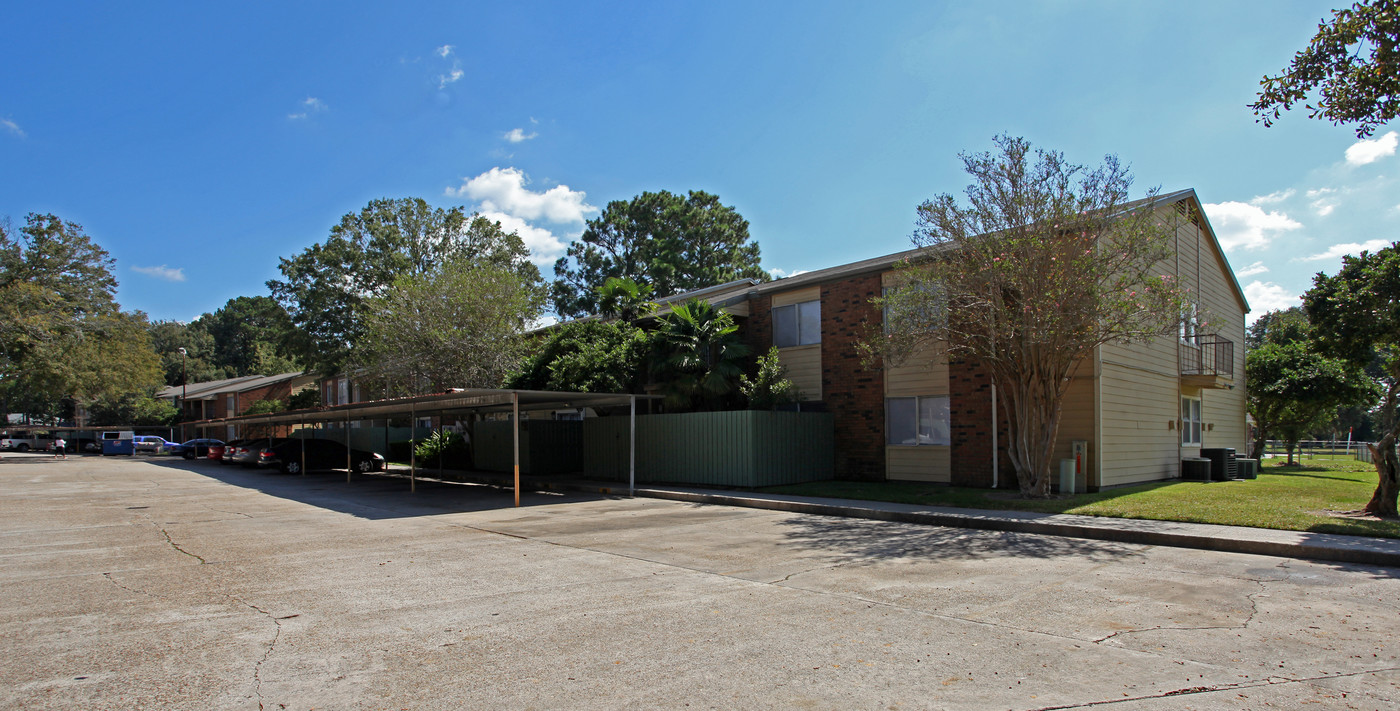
(184, 387)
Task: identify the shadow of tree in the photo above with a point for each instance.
(877, 540)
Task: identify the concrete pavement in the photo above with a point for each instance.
(164, 584)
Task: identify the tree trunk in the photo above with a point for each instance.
(1388, 473)
(1290, 446)
(1032, 408)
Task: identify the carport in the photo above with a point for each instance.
(460, 402)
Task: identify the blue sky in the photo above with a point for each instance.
(199, 143)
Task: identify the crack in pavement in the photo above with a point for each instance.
(113, 581)
(1271, 681)
(271, 645)
(176, 546)
(1253, 610)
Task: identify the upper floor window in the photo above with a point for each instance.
(1189, 325)
(797, 324)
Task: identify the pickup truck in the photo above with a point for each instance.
(26, 441)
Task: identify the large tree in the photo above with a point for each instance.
(665, 241)
(251, 334)
(1047, 261)
(1293, 388)
(327, 284)
(1353, 63)
(198, 363)
(588, 356)
(62, 334)
(460, 325)
(1356, 315)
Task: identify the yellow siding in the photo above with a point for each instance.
(797, 296)
(924, 373)
(1141, 384)
(804, 368)
(1077, 420)
(919, 464)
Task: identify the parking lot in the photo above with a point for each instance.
(161, 583)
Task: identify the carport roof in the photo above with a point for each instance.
(472, 400)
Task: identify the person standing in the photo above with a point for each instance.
(60, 448)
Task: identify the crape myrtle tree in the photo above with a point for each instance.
(1353, 65)
(325, 286)
(1294, 389)
(667, 242)
(1046, 261)
(1356, 316)
(461, 325)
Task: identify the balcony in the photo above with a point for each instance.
(1207, 361)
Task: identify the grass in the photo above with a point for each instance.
(1298, 498)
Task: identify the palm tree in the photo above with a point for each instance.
(698, 357)
(624, 299)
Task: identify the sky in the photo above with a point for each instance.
(199, 143)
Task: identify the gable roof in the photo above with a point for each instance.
(213, 388)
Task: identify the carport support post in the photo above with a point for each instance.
(348, 467)
(632, 450)
(412, 447)
(302, 429)
(515, 434)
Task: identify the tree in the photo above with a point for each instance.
(197, 365)
(460, 325)
(697, 357)
(1353, 62)
(326, 286)
(62, 334)
(625, 299)
(587, 356)
(1356, 316)
(770, 387)
(1047, 262)
(1294, 390)
(670, 243)
(250, 336)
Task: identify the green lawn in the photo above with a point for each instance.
(1287, 498)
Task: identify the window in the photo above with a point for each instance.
(1190, 421)
(231, 405)
(928, 311)
(797, 324)
(1189, 324)
(914, 421)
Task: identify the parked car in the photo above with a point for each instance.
(248, 451)
(320, 454)
(195, 448)
(149, 444)
(225, 455)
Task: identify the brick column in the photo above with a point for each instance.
(854, 395)
(970, 409)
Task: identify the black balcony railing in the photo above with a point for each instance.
(1207, 354)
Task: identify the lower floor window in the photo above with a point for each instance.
(914, 421)
(1190, 421)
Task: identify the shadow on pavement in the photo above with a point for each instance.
(371, 496)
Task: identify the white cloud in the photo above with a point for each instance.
(1267, 296)
(516, 135)
(1371, 150)
(452, 76)
(783, 273)
(1251, 270)
(12, 127)
(1274, 197)
(1339, 250)
(444, 51)
(1241, 225)
(503, 190)
(311, 105)
(544, 246)
(161, 272)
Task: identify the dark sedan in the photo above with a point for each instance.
(195, 448)
(318, 454)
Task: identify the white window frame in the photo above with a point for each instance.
(926, 432)
(804, 337)
(1191, 427)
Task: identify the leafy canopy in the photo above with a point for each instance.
(1046, 261)
(587, 356)
(1353, 65)
(697, 357)
(667, 242)
(325, 287)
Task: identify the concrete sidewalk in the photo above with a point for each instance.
(1235, 539)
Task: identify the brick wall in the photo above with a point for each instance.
(854, 395)
(757, 329)
(970, 412)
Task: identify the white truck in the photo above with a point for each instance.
(18, 440)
